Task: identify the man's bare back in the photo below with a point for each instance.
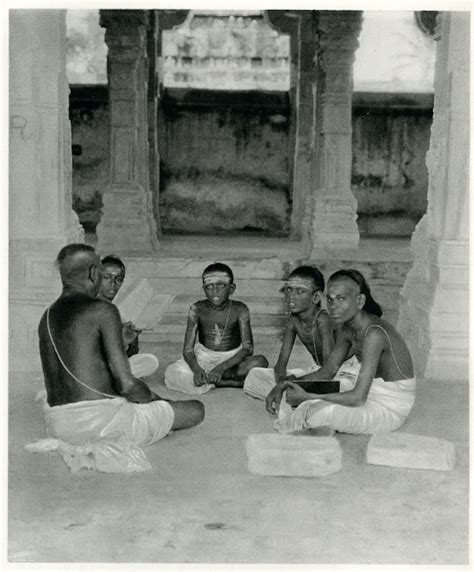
(78, 323)
(90, 362)
(87, 333)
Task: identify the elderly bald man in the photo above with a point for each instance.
(97, 413)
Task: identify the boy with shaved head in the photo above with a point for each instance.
(97, 413)
(218, 343)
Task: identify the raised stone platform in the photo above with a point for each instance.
(259, 265)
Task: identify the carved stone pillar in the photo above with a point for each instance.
(331, 213)
(153, 52)
(300, 25)
(305, 121)
(127, 226)
(40, 179)
(434, 311)
(159, 20)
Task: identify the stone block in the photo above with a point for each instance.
(411, 451)
(292, 456)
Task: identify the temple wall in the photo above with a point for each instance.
(90, 120)
(232, 168)
(389, 176)
(390, 139)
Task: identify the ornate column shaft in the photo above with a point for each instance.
(331, 221)
(300, 25)
(434, 312)
(41, 217)
(159, 20)
(305, 103)
(154, 51)
(127, 226)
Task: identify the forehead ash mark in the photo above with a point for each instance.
(215, 277)
(299, 282)
(112, 269)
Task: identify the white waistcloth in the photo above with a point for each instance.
(104, 434)
(143, 365)
(179, 376)
(386, 408)
(261, 380)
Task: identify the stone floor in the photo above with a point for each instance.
(200, 504)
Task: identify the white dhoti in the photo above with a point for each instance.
(386, 408)
(260, 381)
(105, 434)
(143, 365)
(179, 376)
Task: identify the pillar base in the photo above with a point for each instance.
(332, 226)
(33, 283)
(127, 227)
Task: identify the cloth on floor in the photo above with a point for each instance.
(143, 365)
(388, 405)
(104, 434)
(179, 376)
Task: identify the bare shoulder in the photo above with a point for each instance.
(198, 308)
(323, 320)
(240, 308)
(376, 333)
(101, 311)
(386, 332)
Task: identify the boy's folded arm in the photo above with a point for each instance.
(289, 337)
(329, 368)
(190, 338)
(245, 328)
(326, 333)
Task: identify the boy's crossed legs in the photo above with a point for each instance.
(180, 377)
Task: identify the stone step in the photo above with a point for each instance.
(391, 271)
(263, 268)
(257, 305)
(274, 320)
(193, 288)
(175, 333)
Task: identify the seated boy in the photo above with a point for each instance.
(307, 320)
(222, 356)
(113, 275)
